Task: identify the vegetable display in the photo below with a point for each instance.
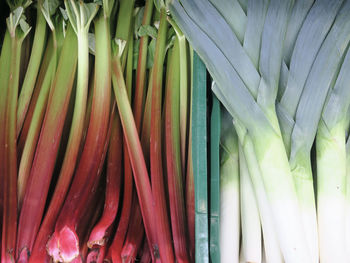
(175, 131)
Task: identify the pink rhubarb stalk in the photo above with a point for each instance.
(135, 234)
(47, 149)
(158, 189)
(134, 147)
(79, 195)
(100, 232)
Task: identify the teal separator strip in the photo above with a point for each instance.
(214, 237)
(199, 156)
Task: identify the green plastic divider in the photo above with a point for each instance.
(214, 237)
(199, 156)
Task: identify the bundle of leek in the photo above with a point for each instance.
(280, 68)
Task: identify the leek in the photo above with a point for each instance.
(229, 192)
(331, 168)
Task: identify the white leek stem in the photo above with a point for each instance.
(331, 192)
(229, 199)
(251, 228)
(271, 245)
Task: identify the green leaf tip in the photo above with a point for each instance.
(49, 8)
(108, 7)
(14, 4)
(17, 18)
(80, 14)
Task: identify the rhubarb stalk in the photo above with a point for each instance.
(79, 195)
(145, 253)
(190, 199)
(135, 234)
(173, 155)
(32, 68)
(100, 233)
(134, 147)
(183, 92)
(47, 149)
(80, 17)
(158, 189)
(36, 118)
(9, 223)
(141, 68)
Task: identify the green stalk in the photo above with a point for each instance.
(4, 61)
(36, 122)
(4, 76)
(183, 93)
(80, 16)
(10, 171)
(32, 68)
(125, 19)
(129, 63)
(138, 106)
(173, 155)
(32, 124)
(146, 122)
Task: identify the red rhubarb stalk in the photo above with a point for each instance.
(5, 71)
(47, 149)
(39, 253)
(134, 147)
(10, 170)
(145, 253)
(117, 244)
(89, 220)
(100, 232)
(160, 216)
(135, 234)
(9, 223)
(99, 235)
(173, 156)
(87, 173)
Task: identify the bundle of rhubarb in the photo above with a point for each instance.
(95, 154)
(281, 70)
